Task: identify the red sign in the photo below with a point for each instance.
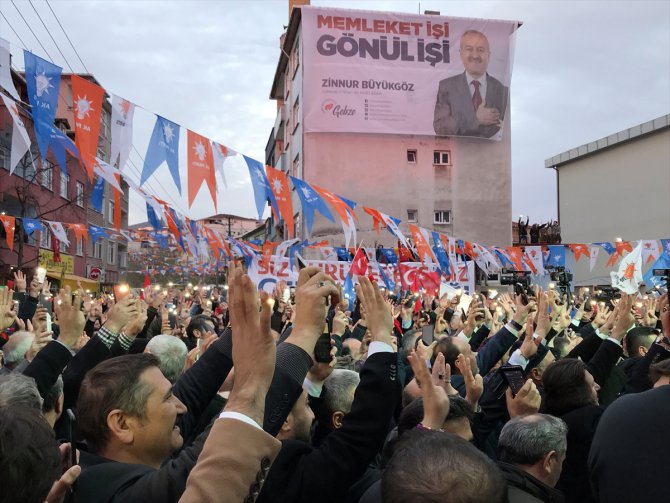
(94, 273)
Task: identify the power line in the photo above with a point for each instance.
(68, 38)
(52, 38)
(138, 171)
(15, 33)
(31, 31)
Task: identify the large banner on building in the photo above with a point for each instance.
(277, 269)
(395, 73)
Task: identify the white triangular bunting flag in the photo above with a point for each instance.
(5, 70)
(651, 250)
(107, 172)
(629, 276)
(221, 153)
(59, 231)
(123, 112)
(593, 254)
(127, 234)
(283, 247)
(20, 138)
(349, 229)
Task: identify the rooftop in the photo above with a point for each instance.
(610, 141)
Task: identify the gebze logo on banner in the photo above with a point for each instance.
(333, 108)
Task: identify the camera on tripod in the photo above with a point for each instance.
(512, 277)
(561, 276)
(520, 280)
(607, 294)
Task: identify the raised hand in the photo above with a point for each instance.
(378, 317)
(70, 318)
(543, 319)
(35, 288)
(527, 400)
(625, 317)
(83, 340)
(20, 282)
(62, 487)
(41, 339)
(7, 314)
(39, 321)
(435, 399)
(474, 384)
(311, 301)
(340, 322)
(601, 316)
(136, 324)
(528, 347)
(254, 350)
(121, 314)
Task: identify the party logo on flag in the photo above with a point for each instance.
(279, 186)
(200, 167)
(87, 101)
(163, 147)
(123, 112)
(31, 225)
(310, 201)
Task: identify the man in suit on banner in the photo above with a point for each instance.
(472, 103)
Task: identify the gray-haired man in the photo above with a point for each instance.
(531, 450)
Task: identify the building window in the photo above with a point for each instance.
(80, 194)
(441, 158)
(296, 166)
(97, 249)
(296, 58)
(79, 248)
(412, 215)
(123, 259)
(411, 156)
(64, 185)
(64, 247)
(47, 175)
(111, 252)
(442, 217)
(45, 239)
(104, 125)
(288, 131)
(110, 211)
(287, 84)
(296, 224)
(296, 114)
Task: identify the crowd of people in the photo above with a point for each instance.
(191, 394)
(546, 233)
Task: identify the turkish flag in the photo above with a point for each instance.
(359, 265)
(55, 244)
(414, 278)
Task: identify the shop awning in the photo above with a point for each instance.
(71, 281)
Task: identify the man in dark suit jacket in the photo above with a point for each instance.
(628, 459)
(302, 473)
(472, 103)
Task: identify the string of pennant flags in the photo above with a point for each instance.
(206, 158)
(209, 246)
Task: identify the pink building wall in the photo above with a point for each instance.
(373, 171)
